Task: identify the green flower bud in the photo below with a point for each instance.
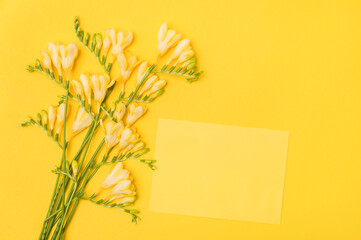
(39, 119)
(158, 93)
(139, 146)
(75, 167)
(99, 40)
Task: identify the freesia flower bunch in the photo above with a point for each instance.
(88, 94)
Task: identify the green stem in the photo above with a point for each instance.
(74, 185)
(131, 97)
(87, 171)
(46, 231)
(78, 154)
(52, 203)
(64, 150)
(52, 215)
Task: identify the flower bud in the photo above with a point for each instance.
(39, 118)
(84, 79)
(82, 120)
(98, 40)
(139, 146)
(51, 116)
(144, 151)
(74, 167)
(47, 60)
(44, 116)
(158, 93)
(77, 87)
(160, 84)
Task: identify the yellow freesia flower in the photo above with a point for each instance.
(44, 118)
(60, 116)
(139, 146)
(127, 65)
(134, 113)
(106, 42)
(51, 117)
(166, 39)
(142, 70)
(47, 60)
(120, 41)
(152, 85)
(156, 86)
(119, 111)
(75, 167)
(117, 174)
(190, 63)
(81, 121)
(68, 55)
(54, 50)
(124, 192)
(127, 139)
(148, 84)
(63, 56)
(99, 85)
(185, 56)
(85, 81)
(77, 87)
(182, 46)
(120, 182)
(112, 131)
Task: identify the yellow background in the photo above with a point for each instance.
(289, 65)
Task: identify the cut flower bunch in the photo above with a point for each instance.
(88, 94)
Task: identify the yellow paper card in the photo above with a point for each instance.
(219, 171)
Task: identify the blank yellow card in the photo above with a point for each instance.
(219, 171)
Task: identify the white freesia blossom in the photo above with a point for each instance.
(51, 116)
(44, 117)
(119, 111)
(139, 146)
(166, 39)
(128, 136)
(106, 42)
(127, 65)
(185, 56)
(85, 81)
(148, 84)
(63, 56)
(134, 113)
(120, 182)
(68, 55)
(182, 46)
(82, 120)
(117, 174)
(142, 70)
(77, 87)
(156, 86)
(120, 41)
(122, 189)
(54, 50)
(47, 60)
(99, 85)
(112, 131)
(60, 116)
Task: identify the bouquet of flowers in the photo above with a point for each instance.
(88, 94)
